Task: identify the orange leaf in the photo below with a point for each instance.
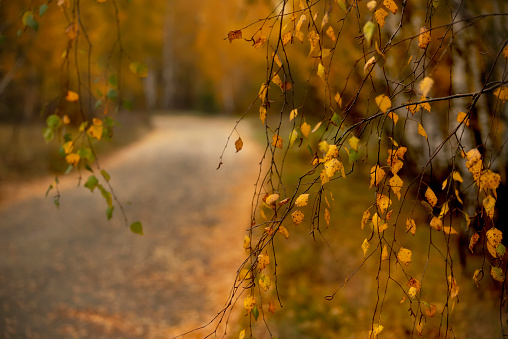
(232, 35)
(380, 16)
(72, 96)
(391, 5)
(424, 38)
(238, 144)
(305, 128)
(383, 102)
(421, 131)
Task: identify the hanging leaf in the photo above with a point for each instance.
(380, 16)
(72, 96)
(248, 303)
(137, 227)
(321, 72)
(404, 256)
(331, 33)
(489, 204)
(139, 69)
(292, 137)
(462, 118)
(368, 31)
(424, 38)
(277, 141)
(297, 217)
(365, 247)
(238, 144)
(502, 93)
(411, 226)
(425, 85)
(263, 261)
(383, 102)
(421, 131)
(376, 175)
(293, 114)
(353, 142)
(232, 35)
(305, 128)
(391, 5)
(497, 273)
(302, 200)
(365, 218)
(264, 282)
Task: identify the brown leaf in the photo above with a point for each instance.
(232, 35)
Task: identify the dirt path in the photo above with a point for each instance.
(69, 273)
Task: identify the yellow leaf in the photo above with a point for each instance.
(443, 185)
(324, 178)
(477, 275)
(321, 72)
(494, 236)
(238, 144)
(436, 223)
(297, 217)
(458, 196)
(391, 5)
(412, 292)
(353, 142)
(331, 33)
(489, 180)
(305, 128)
(502, 93)
(277, 141)
(263, 261)
(66, 119)
(271, 199)
(425, 86)
(292, 137)
(474, 239)
(246, 243)
(276, 59)
(338, 99)
(72, 96)
(332, 166)
(327, 217)
(263, 91)
(95, 131)
(68, 146)
(453, 288)
(323, 147)
(421, 131)
(449, 230)
(411, 226)
(368, 31)
(382, 202)
(260, 41)
(293, 114)
(365, 218)
(369, 63)
(265, 282)
(376, 329)
(276, 80)
(474, 163)
(419, 328)
(284, 231)
(384, 253)
(316, 127)
(302, 200)
(380, 16)
(431, 197)
(72, 159)
(371, 5)
(404, 256)
(242, 334)
(365, 247)
(489, 203)
(313, 39)
(232, 35)
(424, 38)
(456, 176)
(392, 115)
(262, 114)
(376, 175)
(378, 223)
(383, 102)
(249, 303)
(462, 117)
(444, 209)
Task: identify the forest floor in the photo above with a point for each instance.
(71, 273)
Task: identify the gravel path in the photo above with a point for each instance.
(69, 273)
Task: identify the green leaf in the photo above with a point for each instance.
(113, 80)
(43, 9)
(105, 175)
(98, 103)
(127, 104)
(69, 169)
(106, 195)
(353, 155)
(99, 93)
(48, 134)
(28, 20)
(91, 183)
(336, 119)
(137, 227)
(86, 153)
(112, 94)
(500, 250)
(56, 201)
(53, 121)
(368, 31)
(110, 122)
(109, 212)
(49, 189)
(67, 137)
(255, 313)
(139, 69)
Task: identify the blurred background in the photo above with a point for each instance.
(69, 272)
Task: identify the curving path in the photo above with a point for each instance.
(69, 273)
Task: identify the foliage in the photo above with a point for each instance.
(406, 104)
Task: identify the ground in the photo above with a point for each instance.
(70, 273)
